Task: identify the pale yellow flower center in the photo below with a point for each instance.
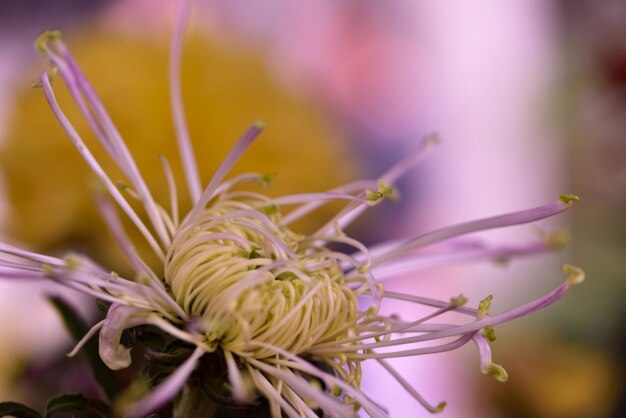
(250, 279)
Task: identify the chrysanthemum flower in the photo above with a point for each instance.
(292, 316)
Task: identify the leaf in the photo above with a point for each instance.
(17, 410)
(77, 328)
(76, 402)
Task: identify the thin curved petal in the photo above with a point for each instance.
(120, 317)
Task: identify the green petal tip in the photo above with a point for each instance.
(557, 240)
(440, 407)
(569, 198)
(575, 274)
(266, 180)
(496, 371)
(489, 333)
(41, 43)
(460, 300)
(485, 304)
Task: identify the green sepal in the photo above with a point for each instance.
(77, 328)
(17, 410)
(76, 402)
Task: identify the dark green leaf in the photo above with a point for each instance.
(77, 329)
(76, 402)
(17, 410)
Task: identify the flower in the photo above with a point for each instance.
(293, 317)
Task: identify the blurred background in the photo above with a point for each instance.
(528, 97)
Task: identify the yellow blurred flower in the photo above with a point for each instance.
(224, 89)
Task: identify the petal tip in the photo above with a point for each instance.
(41, 43)
(440, 407)
(569, 198)
(496, 371)
(575, 274)
(260, 124)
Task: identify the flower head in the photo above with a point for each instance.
(293, 317)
